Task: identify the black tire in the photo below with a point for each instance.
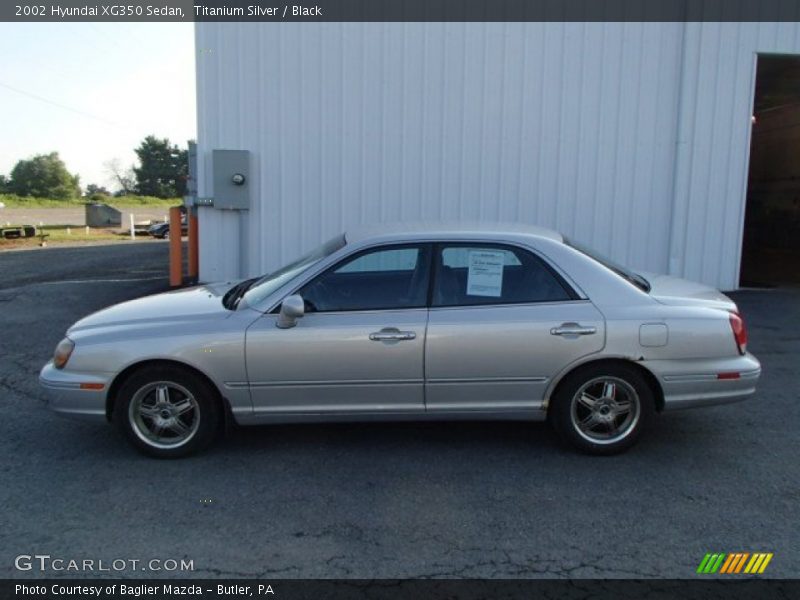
(190, 403)
(588, 408)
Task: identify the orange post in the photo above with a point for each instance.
(194, 268)
(175, 247)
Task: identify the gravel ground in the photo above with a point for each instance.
(74, 217)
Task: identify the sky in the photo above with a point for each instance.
(93, 91)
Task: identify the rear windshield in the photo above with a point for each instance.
(623, 272)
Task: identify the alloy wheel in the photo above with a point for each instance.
(164, 414)
(605, 410)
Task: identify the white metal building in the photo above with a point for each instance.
(630, 137)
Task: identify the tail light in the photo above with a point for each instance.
(739, 332)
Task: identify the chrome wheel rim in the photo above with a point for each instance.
(605, 410)
(164, 414)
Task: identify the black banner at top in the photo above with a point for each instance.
(401, 10)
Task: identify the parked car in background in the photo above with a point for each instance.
(411, 323)
(12, 232)
(161, 230)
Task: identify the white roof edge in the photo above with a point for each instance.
(364, 232)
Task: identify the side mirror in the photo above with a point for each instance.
(292, 308)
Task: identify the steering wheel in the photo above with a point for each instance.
(319, 291)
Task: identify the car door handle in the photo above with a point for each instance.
(573, 329)
(391, 335)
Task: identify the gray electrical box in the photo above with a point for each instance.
(231, 179)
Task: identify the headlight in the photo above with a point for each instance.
(62, 353)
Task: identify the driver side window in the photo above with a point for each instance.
(390, 277)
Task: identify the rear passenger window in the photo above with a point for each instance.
(490, 274)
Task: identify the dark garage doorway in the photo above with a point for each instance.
(771, 242)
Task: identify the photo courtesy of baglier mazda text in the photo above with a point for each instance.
(403, 298)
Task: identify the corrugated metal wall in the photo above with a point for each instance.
(718, 76)
(630, 137)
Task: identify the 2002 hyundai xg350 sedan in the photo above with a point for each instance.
(488, 322)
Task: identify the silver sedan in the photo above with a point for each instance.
(485, 322)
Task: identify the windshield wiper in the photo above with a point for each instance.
(233, 295)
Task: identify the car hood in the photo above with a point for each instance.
(675, 291)
(167, 308)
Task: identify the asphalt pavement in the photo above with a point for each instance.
(384, 500)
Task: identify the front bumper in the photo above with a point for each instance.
(694, 383)
(66, 397)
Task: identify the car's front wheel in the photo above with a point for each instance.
(168, 412)
(603, 408)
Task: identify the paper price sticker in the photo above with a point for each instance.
(485, 277)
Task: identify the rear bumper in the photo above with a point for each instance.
(66, 397)
(695, 383)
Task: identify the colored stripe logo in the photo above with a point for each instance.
(736, 562)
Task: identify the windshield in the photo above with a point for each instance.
(624, 272)
(263, 287)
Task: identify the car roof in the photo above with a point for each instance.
(447, 229)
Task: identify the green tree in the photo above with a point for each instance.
(3, 184)
(44, 176)
(162, 170)
(96, 190)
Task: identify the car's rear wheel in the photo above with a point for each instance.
(168, 412)
(603, 408)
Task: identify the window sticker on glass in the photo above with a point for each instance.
(485, 277)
